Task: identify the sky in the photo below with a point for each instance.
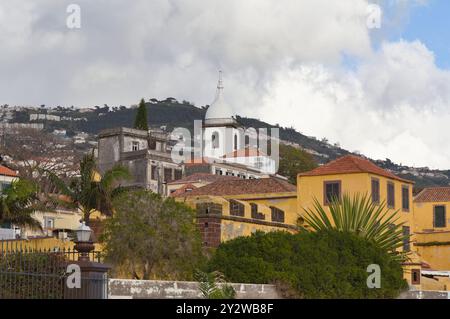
(376, 84)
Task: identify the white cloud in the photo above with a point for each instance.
(282, 62)
(396, 104)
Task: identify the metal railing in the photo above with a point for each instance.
(27, 273)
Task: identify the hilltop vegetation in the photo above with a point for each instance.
(172, 113)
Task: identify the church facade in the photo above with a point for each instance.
(228, 149)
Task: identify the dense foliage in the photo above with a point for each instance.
(18, 204)
(294, 161)
(149, 237)
(324, 264)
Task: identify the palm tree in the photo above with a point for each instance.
(359, 215)
(18, 204)
(91, 191)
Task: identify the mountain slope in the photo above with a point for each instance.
(172, 113)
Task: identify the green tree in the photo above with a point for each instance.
(149, 237)
(323, 264)
(359, 215)
(141, 122)
(91, 191)
(18, 204)
(294, 161)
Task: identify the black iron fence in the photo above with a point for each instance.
(27, 273)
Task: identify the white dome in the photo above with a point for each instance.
(219, 109)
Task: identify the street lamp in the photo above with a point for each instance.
(84, 245)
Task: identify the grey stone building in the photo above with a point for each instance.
(145, 154)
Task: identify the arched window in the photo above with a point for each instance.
(235, 142)
(247, 141)
(215, 140)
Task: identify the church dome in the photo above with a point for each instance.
(219, 109)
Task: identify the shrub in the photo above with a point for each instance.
(324, 264)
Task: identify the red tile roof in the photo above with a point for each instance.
(433, 194)
(5, 171)
(352, 164)
(243, 186)
(182, 190)
(246, 152)
(201, 177)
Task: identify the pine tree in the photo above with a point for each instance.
(140, 121)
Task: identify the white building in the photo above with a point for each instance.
(225, 140)
(7, 176)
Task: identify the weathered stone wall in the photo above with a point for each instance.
(155, 289)
(425, 295)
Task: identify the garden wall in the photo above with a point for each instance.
(156, 289)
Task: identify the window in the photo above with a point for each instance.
(235, 142)
(154, 173)
(218, 172)
(439, 219)
(406, 233)
(167, 174)
(331, 191)
(375, 190)
(135, 146)
(178, 174)
(390, 195)
(415, 276)
(277, 215)
(405, 198)
(255, 213)
(49, 223)
(215, 140)
(247, 140)
(236, 208)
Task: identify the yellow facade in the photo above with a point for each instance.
(432, 242)
(311, 187)
(423, 216)
(227, 226)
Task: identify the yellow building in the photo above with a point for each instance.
(431, 216)
(230, 208)
(352, 175)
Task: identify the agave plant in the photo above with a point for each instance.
(214, 286)
(359, 215)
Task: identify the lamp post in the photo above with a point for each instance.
(84, 245)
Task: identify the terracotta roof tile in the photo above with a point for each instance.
(352, 164)
(246, 152)
(182, 190)
(243, 186)
(5, 171)
(201, 177)
(433, 194)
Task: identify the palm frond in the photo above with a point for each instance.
(359, 215)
